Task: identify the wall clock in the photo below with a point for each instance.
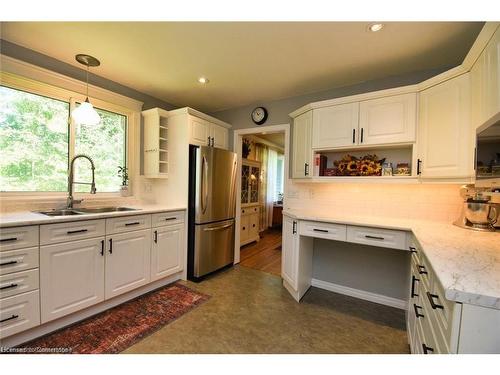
(259, 115)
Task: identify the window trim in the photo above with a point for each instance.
(44, 82)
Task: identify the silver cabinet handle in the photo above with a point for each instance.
(218, 228)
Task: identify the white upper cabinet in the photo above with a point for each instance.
(205, 133)
(485, 80)
(388, 120)
(335, 126)
(302, 146)
(200, 131)
(445, 134)
(219, 136)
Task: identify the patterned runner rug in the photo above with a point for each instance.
(114, 330)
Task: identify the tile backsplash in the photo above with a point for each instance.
(437, 202)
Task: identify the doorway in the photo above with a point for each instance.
(261, 190)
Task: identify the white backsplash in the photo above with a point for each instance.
(437, 202)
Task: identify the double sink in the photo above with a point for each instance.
(85, 211)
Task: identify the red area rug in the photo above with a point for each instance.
(114, 330)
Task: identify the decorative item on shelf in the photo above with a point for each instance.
(402, 169)
(387, 169)
(246, 148)
(123, 174)
(320, 162)
(368, 165)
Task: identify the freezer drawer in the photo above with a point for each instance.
(213, 246)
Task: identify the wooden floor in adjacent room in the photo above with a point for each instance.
(264, 255)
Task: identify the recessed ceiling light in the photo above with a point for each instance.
(203, 80)
(374, 27)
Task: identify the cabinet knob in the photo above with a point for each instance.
(244, 228)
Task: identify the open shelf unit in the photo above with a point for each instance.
(394, 154)
(156, 155)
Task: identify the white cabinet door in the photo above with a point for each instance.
(335, 126)
(491, 77)
(128, 261)
(219, 135)
(166, 251)
(445, 136)
(302, 152)
(289, 252)
(71, 277)
(199, 131)
(388, 120)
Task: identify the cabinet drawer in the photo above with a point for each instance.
(414, 248)
(18, 260)
(250, 210)
(18, 282)
(328, 231)
(75, 230)
(127, 223)
(167, 218)
(394, 239)
(18, 237)
(423, 270)
(19, 313)
(244, 230)
(427, 343)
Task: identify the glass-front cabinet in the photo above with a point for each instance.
(250, 176)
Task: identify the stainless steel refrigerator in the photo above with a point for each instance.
(212, 203)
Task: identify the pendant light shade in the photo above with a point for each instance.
(85, 114)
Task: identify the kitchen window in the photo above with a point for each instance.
(37, 141)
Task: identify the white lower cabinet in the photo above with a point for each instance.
(128, 261)
(19, 312)
(166, 257)
(71, 277)
(289, 259)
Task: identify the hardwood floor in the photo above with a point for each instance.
(264, 255)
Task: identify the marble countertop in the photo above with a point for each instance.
(15, 219)
(466, 262)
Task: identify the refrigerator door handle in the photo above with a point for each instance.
(204, 184)
(218, 228)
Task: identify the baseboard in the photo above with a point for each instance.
(361, 294)
(64, 321)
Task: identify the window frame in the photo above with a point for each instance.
(35, 80)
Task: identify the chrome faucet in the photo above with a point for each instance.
(70, 200)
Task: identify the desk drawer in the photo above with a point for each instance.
(18, 313)
(329, 231)
(71, 231)
(394, 239)
(18, 282)
(127, 223)
(18, 237)
(167, 218)
(18, 260)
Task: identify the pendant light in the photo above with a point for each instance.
(85, 113)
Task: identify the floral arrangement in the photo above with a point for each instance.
(368, 165)
(246, 148)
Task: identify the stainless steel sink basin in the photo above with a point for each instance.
(59, 213)
(83, 211)
(98, 210)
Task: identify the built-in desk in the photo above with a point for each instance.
(453, 295)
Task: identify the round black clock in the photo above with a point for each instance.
(259, 115)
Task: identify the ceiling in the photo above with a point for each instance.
(246, 62)
(275, 138)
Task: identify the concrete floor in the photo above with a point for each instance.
(250, 312)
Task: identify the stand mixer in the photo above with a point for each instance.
(481, 209)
